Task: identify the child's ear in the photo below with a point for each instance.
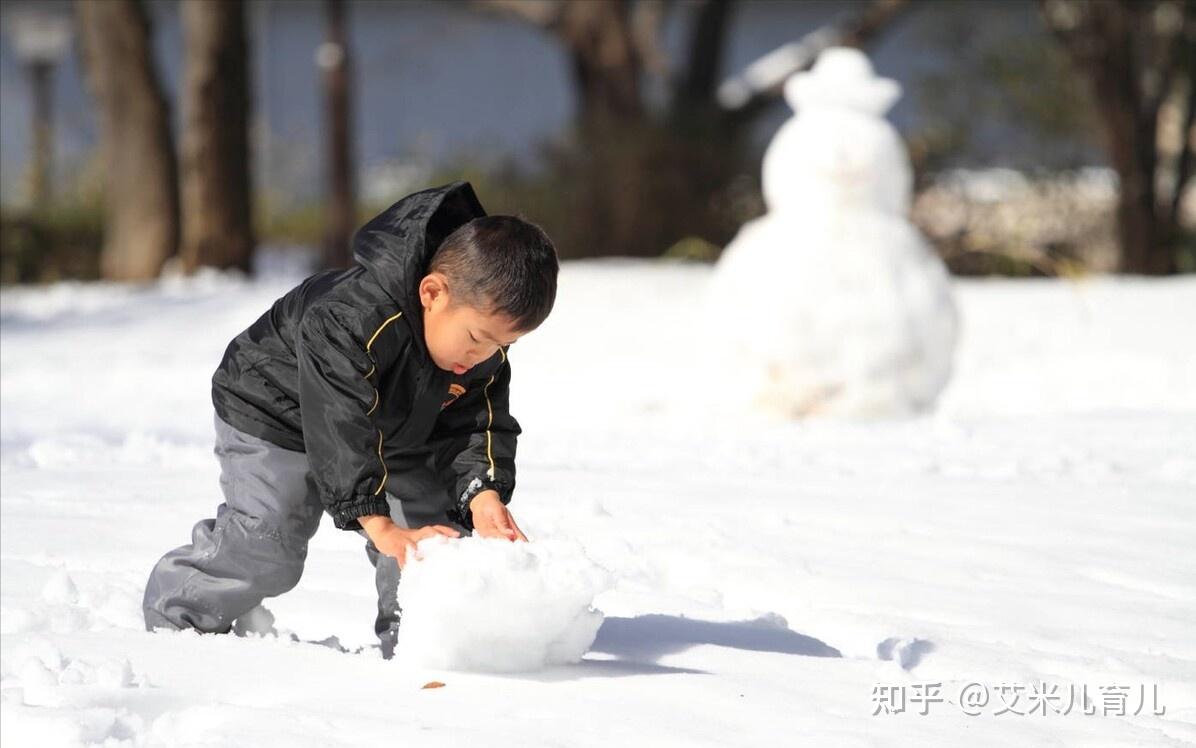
(431, 288)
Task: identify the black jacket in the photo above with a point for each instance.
(338, 368)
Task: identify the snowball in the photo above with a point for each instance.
(488, 604)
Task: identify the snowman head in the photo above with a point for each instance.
(838, 151)
(842, 79)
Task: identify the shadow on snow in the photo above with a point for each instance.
(637, 643)
(649, 637)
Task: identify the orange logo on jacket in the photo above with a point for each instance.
(455, 391)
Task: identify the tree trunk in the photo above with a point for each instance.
(41, 80)
(606, 67)
(217, 220)
(1112, 44)
(141, 222)
(1130, 133)
(700, 78)
(341, 217)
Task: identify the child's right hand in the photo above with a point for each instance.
(397, 542)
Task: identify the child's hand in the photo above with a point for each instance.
(492, 520)
(397, 542)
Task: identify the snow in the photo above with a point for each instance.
(767, 575)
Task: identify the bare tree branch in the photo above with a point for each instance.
(763, 80)
(543, 13)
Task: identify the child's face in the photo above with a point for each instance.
(459, 336)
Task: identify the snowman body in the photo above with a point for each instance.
(833, 302)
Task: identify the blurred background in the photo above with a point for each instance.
(139, 137)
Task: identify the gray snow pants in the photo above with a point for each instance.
(256, 545)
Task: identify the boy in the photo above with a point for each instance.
(378, 394)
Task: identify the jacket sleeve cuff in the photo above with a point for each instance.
(345, 517)
(461, 511)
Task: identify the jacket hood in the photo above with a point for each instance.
(396, 245)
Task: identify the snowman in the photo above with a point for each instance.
(833, 302)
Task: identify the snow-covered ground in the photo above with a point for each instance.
(777, 583)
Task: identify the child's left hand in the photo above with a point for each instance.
(491, 518)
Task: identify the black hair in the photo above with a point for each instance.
(501, 265)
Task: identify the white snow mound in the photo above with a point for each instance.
(487, 604)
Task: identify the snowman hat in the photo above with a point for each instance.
(843, 78)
